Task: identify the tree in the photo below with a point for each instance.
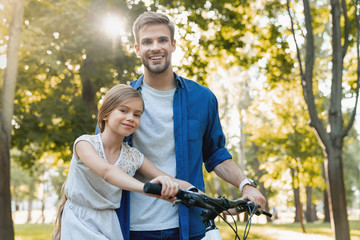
(331, 133)
(6, 114)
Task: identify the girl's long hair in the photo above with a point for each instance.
(60, 208)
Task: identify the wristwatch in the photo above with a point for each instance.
(245, 182)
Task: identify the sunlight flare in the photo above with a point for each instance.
(113, 26)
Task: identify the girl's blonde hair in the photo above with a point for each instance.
(113, 98)
(60, 208)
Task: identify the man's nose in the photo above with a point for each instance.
(155, 46)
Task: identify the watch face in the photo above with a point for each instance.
(252, 182)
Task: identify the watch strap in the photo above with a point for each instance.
(245, 182)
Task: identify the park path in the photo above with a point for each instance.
(280, 234)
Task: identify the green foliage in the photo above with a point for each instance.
(66, 58)
(287, 148)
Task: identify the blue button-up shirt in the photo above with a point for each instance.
(198, 139)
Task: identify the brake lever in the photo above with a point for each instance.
(177, 202)
(189, 203)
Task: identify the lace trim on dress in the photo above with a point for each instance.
(129, 160)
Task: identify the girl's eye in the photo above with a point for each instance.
(122, 110)
(137, 115)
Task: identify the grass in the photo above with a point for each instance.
(319, 228)
(257, 231)
(29, 231)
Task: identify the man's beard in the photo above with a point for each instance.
(154, 69)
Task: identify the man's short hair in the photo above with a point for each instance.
(152, 18)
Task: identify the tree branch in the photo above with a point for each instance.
(307, 81)
(296, 44)
(335, 114)
(347, 28)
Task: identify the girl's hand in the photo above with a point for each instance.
(169, 188)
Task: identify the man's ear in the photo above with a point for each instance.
(136, 47)
(174, 45)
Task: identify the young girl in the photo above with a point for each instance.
(101, 166)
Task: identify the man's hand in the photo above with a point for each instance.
(252, 194)
(231, 173)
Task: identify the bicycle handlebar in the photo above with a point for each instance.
(215, 205)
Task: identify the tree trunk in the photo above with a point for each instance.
(326, 207)
(309, 205)
(29, 217)
(314, 216)
(296, 200)
(6, 114)
(43, 202)
(336, 193)
(326, 201)
(88, 94)
(6, 223)
(299, 216)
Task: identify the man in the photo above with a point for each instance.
(180, 130)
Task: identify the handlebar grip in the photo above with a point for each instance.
(266, 213)
(152, 188)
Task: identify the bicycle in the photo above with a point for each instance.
(212, 207)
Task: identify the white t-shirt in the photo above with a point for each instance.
(155, 139)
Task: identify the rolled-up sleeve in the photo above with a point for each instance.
(214, 150)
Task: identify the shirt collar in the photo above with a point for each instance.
(179, 82)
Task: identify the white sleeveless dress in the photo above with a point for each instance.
(89, 212)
